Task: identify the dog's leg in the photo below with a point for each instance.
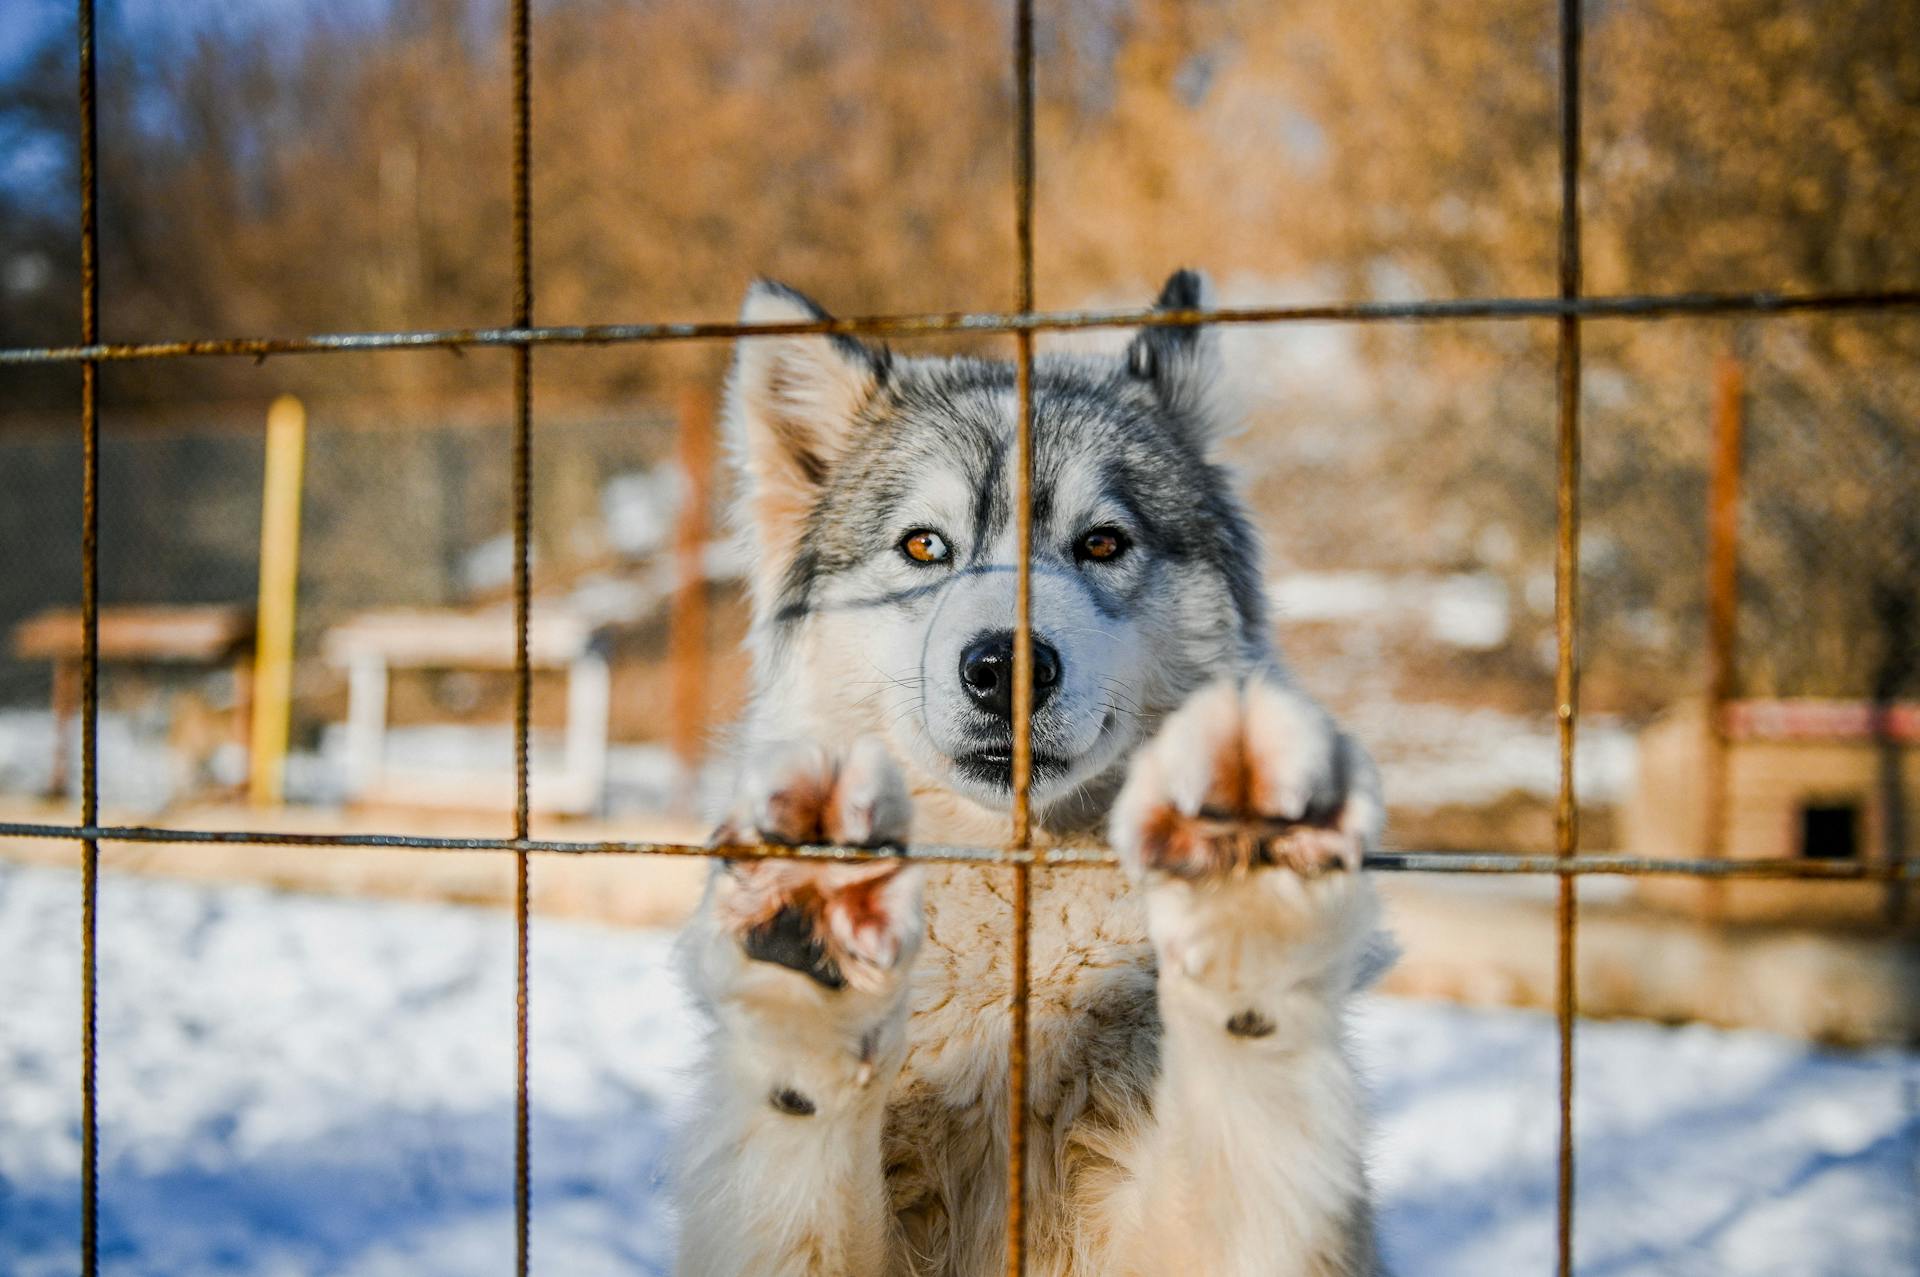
(803, 967)
(1244, 820)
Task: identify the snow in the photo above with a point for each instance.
(1461, 609)
(1434, 755)
(137, 770)
(1431, 754)
(142, 776)
(317, 1086)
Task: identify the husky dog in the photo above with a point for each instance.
(1190, 1105)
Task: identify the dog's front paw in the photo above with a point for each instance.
(854, 923)
(1246, 776)
(1245, 819)
(800, 792)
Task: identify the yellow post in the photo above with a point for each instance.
(279, 584)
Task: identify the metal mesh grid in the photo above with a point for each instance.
(1569, 307)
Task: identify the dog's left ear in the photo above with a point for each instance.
(1181, 362)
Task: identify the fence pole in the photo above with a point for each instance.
(1723, 606)
(279, 591)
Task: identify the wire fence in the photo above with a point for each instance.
(1570, 307)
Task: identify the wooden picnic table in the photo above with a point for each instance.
(372, 644)
(208, 635)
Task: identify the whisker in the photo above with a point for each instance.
(914, 706)
(1114, 690)
(1085, 629)
(892, 678)
(869, 696)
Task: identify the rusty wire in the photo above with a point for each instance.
(1568, 308)
(519, 31)
(1022, 779)
(1423, 862)
(1692, 305)
(1566, 600)
(89, 653)
(1021, 763)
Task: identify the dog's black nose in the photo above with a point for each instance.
(986, 671)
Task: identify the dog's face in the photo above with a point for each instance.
(879, 496)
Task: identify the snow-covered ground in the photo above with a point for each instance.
(142, 775)
(305, 1086)
(1431, 754)
(1439, 755)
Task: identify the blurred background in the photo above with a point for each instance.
(1750, 571)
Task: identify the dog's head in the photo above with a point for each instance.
(877, 499)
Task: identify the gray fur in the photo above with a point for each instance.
(1142, 425)
(1147, 1041)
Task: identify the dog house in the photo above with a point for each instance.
(1794, 779)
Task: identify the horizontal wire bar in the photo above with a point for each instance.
(1649, 306)
(1445, 862)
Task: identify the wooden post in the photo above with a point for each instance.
(687, 625)
(66, 701)
(279, 587)
(589, 703)
(1723, 593)
(366, 722)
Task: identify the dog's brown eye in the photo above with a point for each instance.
(924, 545)
(1101, 544)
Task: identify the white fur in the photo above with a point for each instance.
(1190, 1107)
(763, 1191)
(1229, 1155)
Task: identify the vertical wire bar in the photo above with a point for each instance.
(1023, 831)
(1566, 598)
(522, 411)
(522, 619)
(89, 654)
(1022, 761)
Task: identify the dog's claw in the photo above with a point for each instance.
(839, 923)
(797, 793)
(1246, 776)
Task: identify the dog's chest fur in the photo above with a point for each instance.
(1093, 1046)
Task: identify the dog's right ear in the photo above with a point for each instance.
(792, 402)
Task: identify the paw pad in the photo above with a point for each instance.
(1250, 1024)
(840, 925)
(789, 1101)
(791, 938)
